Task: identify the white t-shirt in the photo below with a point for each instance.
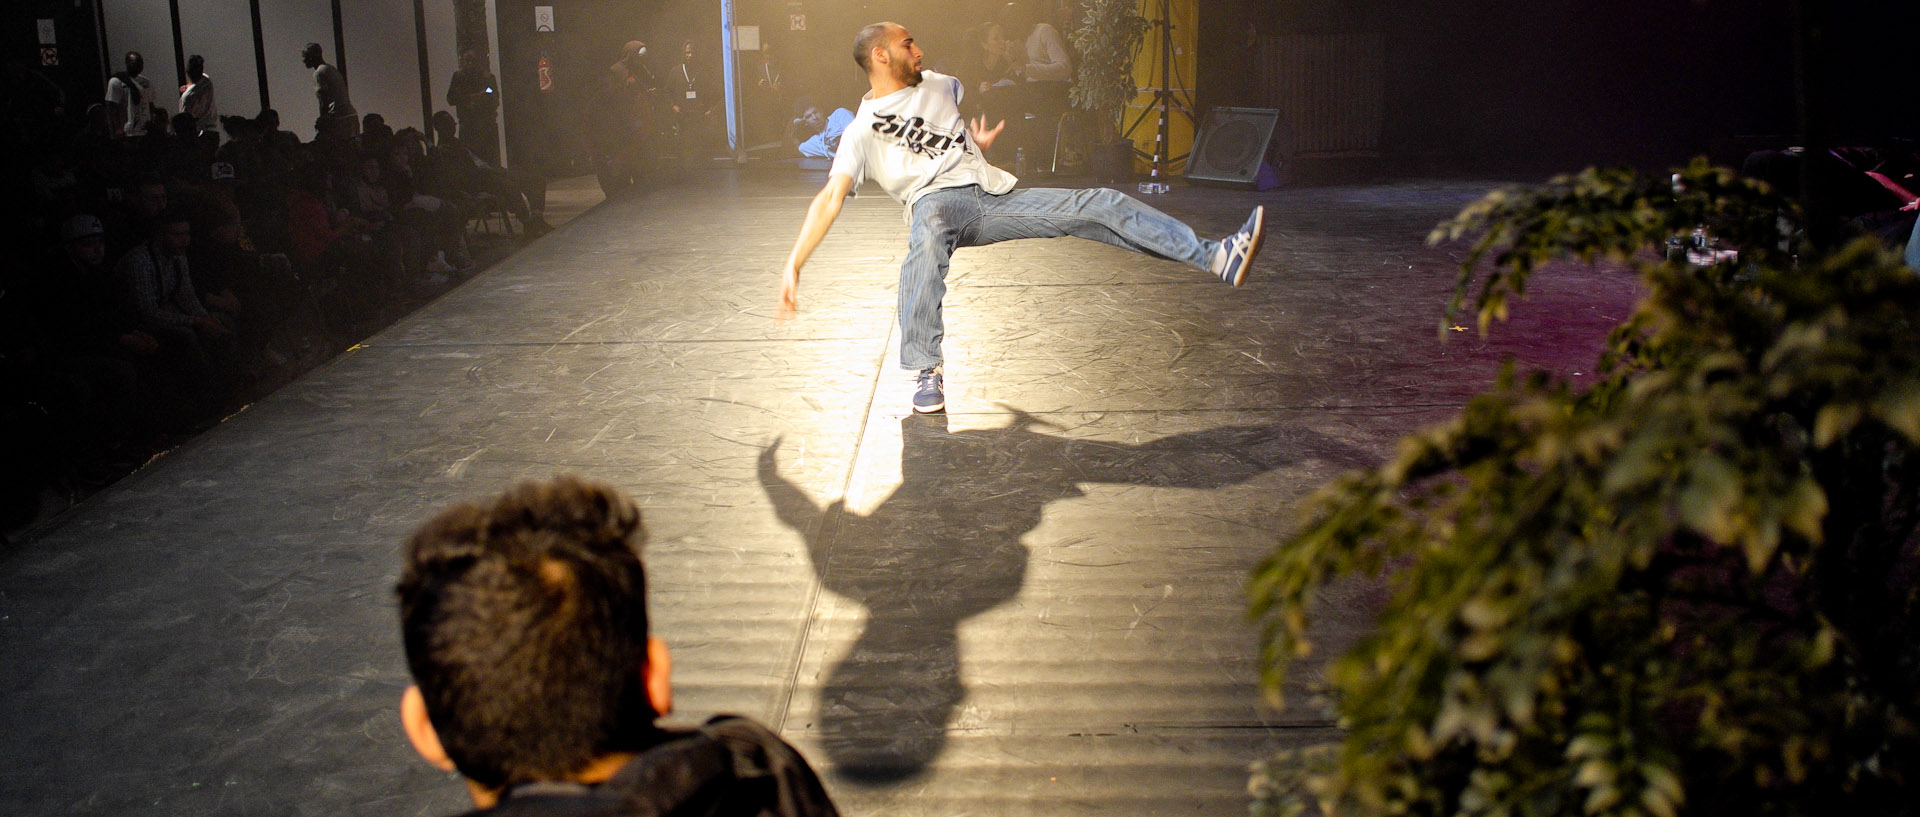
(197, 99)
(134, 106)
(914, 141)
(1047, 58)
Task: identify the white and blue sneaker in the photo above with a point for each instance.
(1236, 251)
(927, 394)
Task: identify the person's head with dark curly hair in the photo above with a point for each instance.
(525, 626)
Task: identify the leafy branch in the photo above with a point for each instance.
(1688, 587)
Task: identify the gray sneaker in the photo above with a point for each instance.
(927, 394)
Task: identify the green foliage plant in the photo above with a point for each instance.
(1107, 39)
(1686, 589)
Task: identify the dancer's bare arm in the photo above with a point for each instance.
(820, 215)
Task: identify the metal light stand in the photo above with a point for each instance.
(1163, 106)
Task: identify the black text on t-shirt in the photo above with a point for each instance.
(914, 134)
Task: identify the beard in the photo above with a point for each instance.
(906, 74)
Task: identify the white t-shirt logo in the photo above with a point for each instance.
(914, 134)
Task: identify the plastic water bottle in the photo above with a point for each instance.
(1019, 161)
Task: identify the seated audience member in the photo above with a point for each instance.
(281, 146)
(241, 151)
(158, 289)
(86, 145)
(1047, 71)
(56, 183)
(78, 306)
(369, 199)
(27, 451)
(525, 625)
(442, 226)
(816, 137)
(184, 156)
(158, 284)
(249, 290)
(988, 66)
(129, 223)
(335, 248)
(71, 351)
(375, 133)
(460, 168)
(259, 188)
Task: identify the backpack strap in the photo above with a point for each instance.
(773, 779)
(686, 776)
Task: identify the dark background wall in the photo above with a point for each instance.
(1564, 83)
(816, 61)
(1468, 84)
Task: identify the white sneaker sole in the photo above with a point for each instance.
(1253, 247)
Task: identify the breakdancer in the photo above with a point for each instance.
(910, 138)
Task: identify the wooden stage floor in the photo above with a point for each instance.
(1030, 605)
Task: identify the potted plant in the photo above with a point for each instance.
(1107, 38)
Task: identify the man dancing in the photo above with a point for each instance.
(910, 138)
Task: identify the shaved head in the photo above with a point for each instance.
(869, 38)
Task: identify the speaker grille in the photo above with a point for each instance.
(1231, 144)
(1234, 146)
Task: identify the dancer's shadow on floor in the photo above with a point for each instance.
(945, 546)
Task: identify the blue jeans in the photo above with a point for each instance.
(1913, 246)
(946, 220)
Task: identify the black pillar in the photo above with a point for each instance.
(1810, 103)
(179, 50)
(259, 54)
(420, 46)
(340, 44)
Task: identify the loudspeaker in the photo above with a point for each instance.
(1232, 145)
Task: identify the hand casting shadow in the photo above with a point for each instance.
(945, 546)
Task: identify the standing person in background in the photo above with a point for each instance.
(130, 95)
(623, 119)
(770, 100)
(337, 119)
(475, 97)
(196, 97)
(693, 97)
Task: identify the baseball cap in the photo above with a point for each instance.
(81, 226)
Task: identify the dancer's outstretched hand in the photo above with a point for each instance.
(981, 135)
(789, 294)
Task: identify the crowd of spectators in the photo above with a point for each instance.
(167, 268)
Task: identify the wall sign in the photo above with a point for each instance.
(542, 18)
(46, 32)
(796, 22)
